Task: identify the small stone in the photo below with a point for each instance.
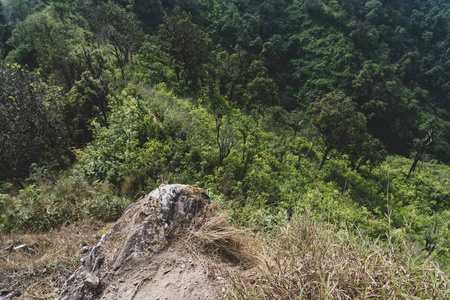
(223, 290)
(92, 281)
(121, 280)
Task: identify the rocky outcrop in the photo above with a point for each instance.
(124, 258)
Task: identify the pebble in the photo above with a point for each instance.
(92, 281)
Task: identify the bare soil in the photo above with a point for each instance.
(171, 274)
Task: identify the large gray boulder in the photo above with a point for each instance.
(127, 250)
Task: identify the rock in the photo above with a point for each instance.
(145, 229)
(91, 281)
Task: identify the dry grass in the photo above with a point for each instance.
(40, 273)
(306, 260)
(210, 234)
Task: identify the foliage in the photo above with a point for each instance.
(45, 39)
(31, 117)
(187, 44)
(114, 26)
(5, 33)
(15, 11)
(70, 200)
(341, 127)
(89, 96)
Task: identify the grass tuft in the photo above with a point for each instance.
(209, 233)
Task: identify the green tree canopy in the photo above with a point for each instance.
(339, 124)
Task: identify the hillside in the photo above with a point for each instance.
(333, 109)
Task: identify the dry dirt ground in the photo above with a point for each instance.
(38, 269)
(172, 274)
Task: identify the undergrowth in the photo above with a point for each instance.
(44, 206)
(309, 259)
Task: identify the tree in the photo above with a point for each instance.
(31, 122)
(114, 26)
(226, 73)
(90, 95)
(154, 65)
(247, 85)
(338, 123)
(261, 91)
(224, 138)
(45, 39)
(187, 44)
(5, 32)
(365, 150)
(424, 145)
(16, 11)
(149, 11)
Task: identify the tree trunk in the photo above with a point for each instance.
(324, 158)
(425, 143)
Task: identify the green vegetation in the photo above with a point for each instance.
(277, 108)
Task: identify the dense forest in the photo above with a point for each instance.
(276, 107)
